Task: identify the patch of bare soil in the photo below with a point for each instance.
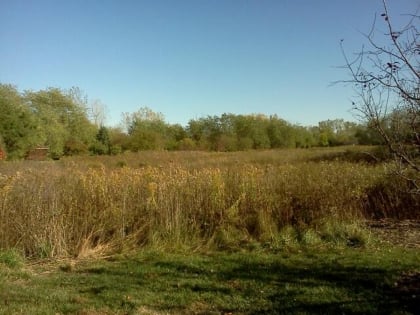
(405, 233)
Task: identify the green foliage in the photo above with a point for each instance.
(18, 125)
(280, 133)
(119, 140)
(231, 132)
(147, 130)
(366, 135)
(102, 144)
(103, 136)
(99, 148)
(344, 234)
(244, 132)
(53, 118)
(174, 135)
(337, 132)
(62, 121)
(57, 119)
(116, 149)
(11, 258)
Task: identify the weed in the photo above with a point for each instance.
(345, 234)
(11, 258)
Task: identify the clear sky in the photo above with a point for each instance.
(191, 58)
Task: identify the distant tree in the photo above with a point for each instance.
(366, 135)
(174, 135)
(19, 128)
(195, 130)
(231, 132)
(337, 132)
(244, 132)
(63, 123)
(146, 129)
(304, 138)
(228, 141)
(97, 112)
(103, 144)
(119, 140)
(206, 132)
(251, 131)
(259, 133)
(386, 77)
(281, 133)
(144, 115)
(347, 134)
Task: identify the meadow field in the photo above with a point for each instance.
(272, 211)
(195, 199)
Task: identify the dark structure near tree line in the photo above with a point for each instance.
(38, 154)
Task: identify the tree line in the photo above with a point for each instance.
(63, 121)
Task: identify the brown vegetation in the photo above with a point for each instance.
(186, 199)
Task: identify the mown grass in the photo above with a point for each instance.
(300, 281)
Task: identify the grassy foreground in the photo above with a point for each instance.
(261, 232)
(299, 281)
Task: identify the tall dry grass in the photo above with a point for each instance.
(76, 206)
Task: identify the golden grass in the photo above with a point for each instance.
(82, 206)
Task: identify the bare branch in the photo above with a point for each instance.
(387, 81)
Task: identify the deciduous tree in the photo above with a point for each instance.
(386, 77)
(18, 125)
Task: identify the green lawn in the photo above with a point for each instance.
(299, 281)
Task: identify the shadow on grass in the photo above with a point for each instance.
(254, 283)
(315, 288)
(326, 289)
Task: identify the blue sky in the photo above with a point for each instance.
(189, 59)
